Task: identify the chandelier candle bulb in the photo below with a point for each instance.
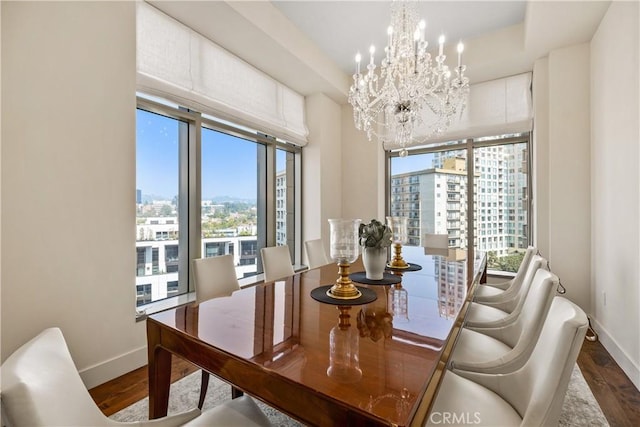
(460, 50)
(389, 34)
(441, 41)
(372, 50)
(358, 58)
(422, 25)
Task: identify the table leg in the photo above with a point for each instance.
(159, 374)
(235, 393)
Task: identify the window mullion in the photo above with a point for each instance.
(270, 194)
(471, 206)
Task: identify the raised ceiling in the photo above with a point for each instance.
(342, 28)
(310, 45)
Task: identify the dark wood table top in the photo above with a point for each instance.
(272, 340)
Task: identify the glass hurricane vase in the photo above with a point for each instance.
(344, 251)
(344, 365)
(398, 225)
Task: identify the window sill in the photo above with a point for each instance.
(144, 311)
(501, 274)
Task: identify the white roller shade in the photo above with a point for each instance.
(176, 63)
(495, 107)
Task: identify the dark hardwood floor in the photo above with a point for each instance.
(127, 389)
(616, 394)
(614, 391)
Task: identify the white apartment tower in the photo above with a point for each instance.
(501, 197)
(281, 208)
(434, 200)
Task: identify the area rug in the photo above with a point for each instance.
(580, 408)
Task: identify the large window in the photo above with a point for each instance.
(502, 204)
(157, 183)
(233, 192)
(207, 188)
(490, 206)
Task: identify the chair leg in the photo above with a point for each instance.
(204, 384)
(235, 393)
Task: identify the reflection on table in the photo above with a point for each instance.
(321, 364)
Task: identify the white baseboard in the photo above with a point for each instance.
(113, 368)
(619, 355)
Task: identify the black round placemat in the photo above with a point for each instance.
(412, 267)
(387, 279)
(320, 294)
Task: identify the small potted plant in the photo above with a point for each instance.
(375, 237)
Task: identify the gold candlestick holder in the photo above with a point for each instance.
(344, 287)
(398, 261)
(344, 318)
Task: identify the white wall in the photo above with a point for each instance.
(562, 169)
(363, 172)
(615, 184)
(540, 148)
(321, 168)
(68, 180)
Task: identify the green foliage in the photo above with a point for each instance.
(166, 210)
(375, 235)
(232, 215)
(509, 262)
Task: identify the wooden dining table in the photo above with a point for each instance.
(323, 364)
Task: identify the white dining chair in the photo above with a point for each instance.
(316, 254)
(505, 348)
(276, 262)
(503, 290)
(529, 396)
(213, 277)
(41, 387)
(492, 314)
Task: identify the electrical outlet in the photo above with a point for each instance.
(604, 298)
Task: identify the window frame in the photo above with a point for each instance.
(189, 183)
(469, 145)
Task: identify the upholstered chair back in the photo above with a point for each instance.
(522, 334)
(276, 261)
(316, 254)
(214, 277)
(537, 390)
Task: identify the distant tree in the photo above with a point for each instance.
(511, 262)
(166, 210)
(492, 260)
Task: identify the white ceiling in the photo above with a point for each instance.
(342, 28)
(310, 45)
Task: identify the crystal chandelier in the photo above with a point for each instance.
(413, 92)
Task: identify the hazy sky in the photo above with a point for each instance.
(229, 164)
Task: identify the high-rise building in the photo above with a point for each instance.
(281, 208)
(435, 199)
(501, 197)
